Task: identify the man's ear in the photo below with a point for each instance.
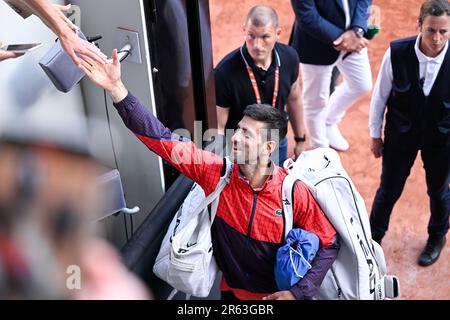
(269, 147)
(278, 33)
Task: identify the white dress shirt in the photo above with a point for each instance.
(347, 13)
(428, 71)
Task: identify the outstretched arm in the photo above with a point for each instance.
(53, 16)
(201, 166)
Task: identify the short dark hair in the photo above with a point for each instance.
(434, 8)
(262, 15)
(272, 117)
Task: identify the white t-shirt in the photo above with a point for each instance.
(347, 13)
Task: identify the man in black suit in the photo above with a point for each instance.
(414, 85)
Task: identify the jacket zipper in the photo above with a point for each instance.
(252, 216)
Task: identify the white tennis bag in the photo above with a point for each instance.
(185, 260)
(359, 272)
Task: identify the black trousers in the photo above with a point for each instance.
(398, 158)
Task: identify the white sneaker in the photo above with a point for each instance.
(337, 141)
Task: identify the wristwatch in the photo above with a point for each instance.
(300, 139)
(358, 31)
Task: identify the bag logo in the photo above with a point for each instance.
(191, 244)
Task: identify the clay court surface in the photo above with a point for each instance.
(407, 234)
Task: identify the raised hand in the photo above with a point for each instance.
(53, 16)
(107, 76)
(70, 41)
(74, 46)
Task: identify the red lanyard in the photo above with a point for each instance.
(276, 86)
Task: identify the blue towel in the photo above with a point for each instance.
(295, 257)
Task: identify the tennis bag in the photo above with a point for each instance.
(359, 271)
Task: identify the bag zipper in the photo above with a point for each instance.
(336, 284)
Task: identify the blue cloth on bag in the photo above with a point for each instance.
(295, 257)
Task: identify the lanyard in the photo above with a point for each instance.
(276, 86)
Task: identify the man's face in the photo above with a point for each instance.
(249, 142)
(260, 41)
(435, 33)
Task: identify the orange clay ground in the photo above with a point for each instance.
(407, 234)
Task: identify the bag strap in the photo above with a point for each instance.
(174, 292)
(287, 191)
(213, 198)
(224, 180)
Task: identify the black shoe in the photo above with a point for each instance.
(431, 252)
